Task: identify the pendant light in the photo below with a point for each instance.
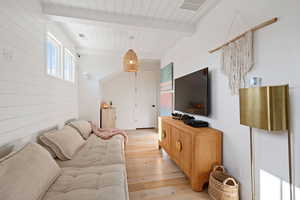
(130, 60)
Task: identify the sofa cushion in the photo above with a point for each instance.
(51, 152)
(92, 183)
(97, 152)
(83, 127)
(27, 174)
(64, 142)
(40, 142)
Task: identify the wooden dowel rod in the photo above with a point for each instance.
(255, 28)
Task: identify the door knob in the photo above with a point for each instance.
(153, 106)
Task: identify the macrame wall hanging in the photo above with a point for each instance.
(237, 57)
(237, 61)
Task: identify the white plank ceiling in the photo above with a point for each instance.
(116, 40)
(107, 24)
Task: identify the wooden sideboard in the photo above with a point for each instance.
(108, 118)
(194, 150)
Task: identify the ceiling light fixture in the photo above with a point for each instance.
(130, 60)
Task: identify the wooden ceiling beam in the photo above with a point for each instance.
(87, 16)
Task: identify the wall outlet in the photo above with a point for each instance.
(7, 54)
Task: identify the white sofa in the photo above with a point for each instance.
(95, 172)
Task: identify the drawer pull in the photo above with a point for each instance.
(178, 145)
(164, 134)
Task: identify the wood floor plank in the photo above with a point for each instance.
(156, 177)
(152, 193)
(156, 184)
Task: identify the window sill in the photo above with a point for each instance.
(60, 79)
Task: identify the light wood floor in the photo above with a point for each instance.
(151, 174)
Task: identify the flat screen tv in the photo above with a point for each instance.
(192, 93)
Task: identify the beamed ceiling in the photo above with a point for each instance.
(107, 24)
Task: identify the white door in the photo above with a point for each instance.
(146, 99)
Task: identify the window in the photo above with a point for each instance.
(69, 66)
(60, 60)
(53, 56)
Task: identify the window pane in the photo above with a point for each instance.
(60, 63)
(68, 66)
(53, 57)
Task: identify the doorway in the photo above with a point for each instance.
(146, 108)
(134, 96)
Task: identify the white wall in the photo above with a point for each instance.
(100, 66)
(96, 66)
(30, 100)
(277, 51)
(89, 100)
(120, 90)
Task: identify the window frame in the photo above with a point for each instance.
(62, 52)
(68, 52)
(58, 44)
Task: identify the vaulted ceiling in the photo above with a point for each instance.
(107, 25)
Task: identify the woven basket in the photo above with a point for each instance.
(222, 186)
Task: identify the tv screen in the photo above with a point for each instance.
(192, 93)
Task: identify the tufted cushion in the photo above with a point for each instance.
(64, 142)
(27, 174)
(83, 127)
(97, 152)
(92, 183)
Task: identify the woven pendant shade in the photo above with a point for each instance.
(130, 61)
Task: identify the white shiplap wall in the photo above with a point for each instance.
(30, 100)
